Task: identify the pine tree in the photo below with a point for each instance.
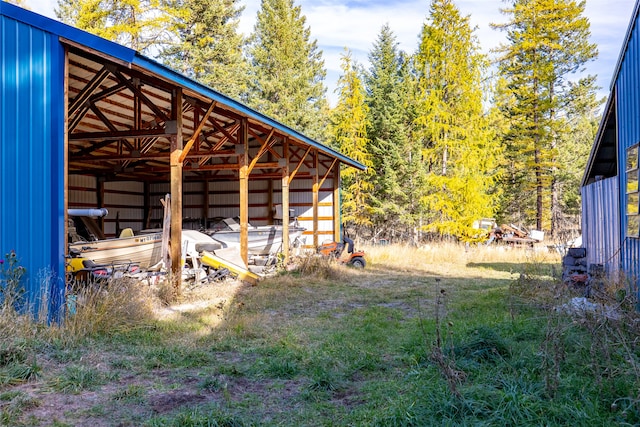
(389, 133)
(349, 129)
(459, 149)
(208, 48)
(548, 42)
(143, 25)
(287, 76)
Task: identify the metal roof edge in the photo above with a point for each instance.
(596, 144)
(164, 71)
(625, 44)
(66, 31)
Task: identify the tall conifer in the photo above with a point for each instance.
(459, 149)
(143, 25)
(548, 43)
(349, 129)
(287, 73)
(389, 136)
(208, 46)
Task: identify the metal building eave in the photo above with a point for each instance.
(181, 80)
(602, 160)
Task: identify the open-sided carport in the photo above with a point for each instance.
(75, 106)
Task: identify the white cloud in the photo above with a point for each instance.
(336, 24)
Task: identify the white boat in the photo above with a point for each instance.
(87, 240)
(262, 240)
(145, 250)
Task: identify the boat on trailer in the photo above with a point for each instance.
(262, 240)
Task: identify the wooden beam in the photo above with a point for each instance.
(243, 169)
(263, 149)
(327, 173)
(65, 148)
(176, 193)
(285, 202)
(316, 192)
(196, 134)
(133, 133)
(86, 92)
(337, 214)
(295, 171)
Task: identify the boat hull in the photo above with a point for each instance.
(144, 250)
(261, 240)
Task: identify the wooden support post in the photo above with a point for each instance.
(316, 191)
(65, 203)
(337, 215)
(270, 201)
(176, 192)
(285, 200)
(243, 162)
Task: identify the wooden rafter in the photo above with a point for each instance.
(84, 95)
(196, 134)
(295, 171)
(263, 149)
(137, 92)
(327, 172)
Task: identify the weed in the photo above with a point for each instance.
(76, 378)
(15, 373)
(199, 417)
(445, 360)
(12, 291)
(211, 384)
(319, 267)
(121, 305)
(132, 393)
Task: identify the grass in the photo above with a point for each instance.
(442, 335)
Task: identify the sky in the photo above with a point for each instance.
(355, 25)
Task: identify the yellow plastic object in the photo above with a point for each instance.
(75, 264)
(215, 261)
(127, 232)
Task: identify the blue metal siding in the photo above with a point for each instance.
(32, 158)
(601, 225)
(628, 114)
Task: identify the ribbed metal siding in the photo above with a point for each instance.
(601, 224)
(628, 112)
(31, 158)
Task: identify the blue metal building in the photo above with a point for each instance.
(74, 104)
(610, 191)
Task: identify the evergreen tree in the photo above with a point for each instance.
(143, 25)
(287, 75)
(208, 48)
(459, 150)
(574, 146)
(389, 133)
(349, 128)
(548, 42)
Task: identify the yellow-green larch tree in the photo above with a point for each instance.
(349, 131)
(459, 149)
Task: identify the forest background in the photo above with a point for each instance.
(449, 134)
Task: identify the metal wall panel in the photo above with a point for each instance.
(32, 158)
(82, 191)
(628, 111)
(601, 224)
